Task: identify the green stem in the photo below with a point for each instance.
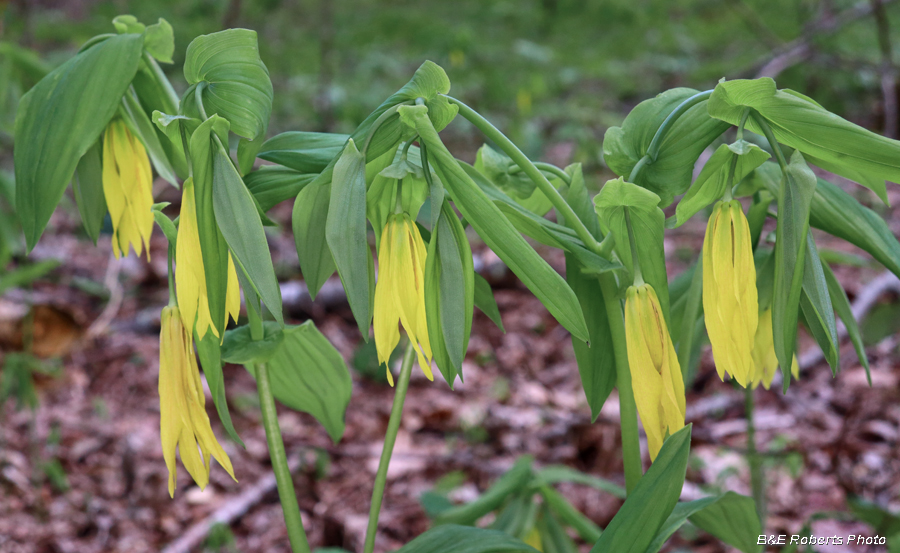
(729, 183)
(757, 476)
(683, 107)
(668, 122)
(635, 260)
(773, 143)
(170, 257)
(740, 129)
(164, 82)
(390, 437)
(292, 519)
(520, 159)
(631, 447)
(546, 168)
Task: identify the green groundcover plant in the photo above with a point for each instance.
(108, 118)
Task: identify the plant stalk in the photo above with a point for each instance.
(631, 447)
(292, 519)
(390, 437)
(520, 159)
(757, 476)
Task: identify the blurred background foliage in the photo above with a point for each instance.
(549, 72)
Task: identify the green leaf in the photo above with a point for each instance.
(839, 214)
(271, 185)
(538, 228)
(648, 506)
(815, 301)
(233, 82)
(842, 306)
(308, 223)
(62, 118)
(239, 221)
(648, 223)
(213, 247)
(512, 481)
(308, 374)
(345, 232)
(829, 141)
(554, 538)
(496, 166)
(128, 24)
(737, 159)
(554, 474)
(730, 517)
(211, 361)
(687, 310)
(671, 173)
(159, 41)
(381, 197)
(449, 293)
(596, 363)
(569, 515)
(26, 275)
(165, 224)
(88, 188)
(464, 539)
(138, 123)
(499, 234)
(794, 199)
(240, 348)
(484, 300)
(307, 152)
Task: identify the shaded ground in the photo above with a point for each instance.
(835, 437)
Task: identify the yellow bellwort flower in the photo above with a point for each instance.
(400, 292)
(190, 276)
(128, 188)
(765, 362)
(729, 291)
(183, 422)
(655, 373)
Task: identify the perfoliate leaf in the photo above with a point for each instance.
(233, 82)
(842, 306)
(815, 301)
(309, 375)
(308, 223)
(496, 167)
(61, 118)
(271, 185)
(345, 232)
(88, 187)
(211, 361)
(449, 293)
(671, 173)
(794, 198)
(648, 224)
(240, 223)
(738, 159)
(826, 140)
(648, 506)
(306, 152)
(159, 41)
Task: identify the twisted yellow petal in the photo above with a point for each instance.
(400, 292)
(184, 423)
(128, 189)
(765, 362)
(729, 291)
(190, 277)
(655, 373)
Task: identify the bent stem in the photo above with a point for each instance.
(283, 480)
(389, 439)
(757, 477)
(631, 447)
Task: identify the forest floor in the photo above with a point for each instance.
(84, 472)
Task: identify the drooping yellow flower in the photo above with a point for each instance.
(765, 362)
(655, 373)
(400, 292)
(729, 291)
(128, 188)
(182, 406)
(190, 276)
